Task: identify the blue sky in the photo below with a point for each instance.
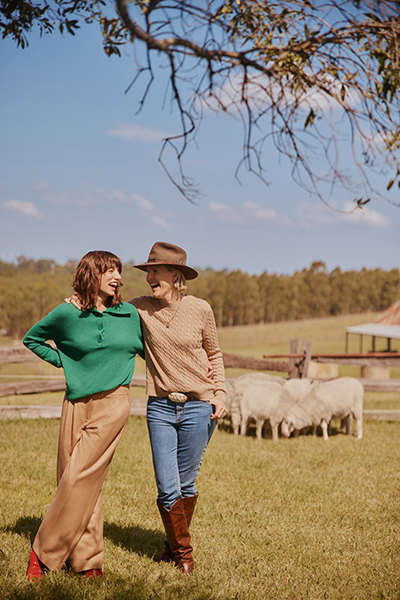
(79, 171)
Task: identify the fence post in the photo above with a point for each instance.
(295, 345)
(303, 366)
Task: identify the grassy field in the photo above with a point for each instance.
(300, 519)
(328, 335)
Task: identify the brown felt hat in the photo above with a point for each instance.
(163, 253)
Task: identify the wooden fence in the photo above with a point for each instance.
(296, 365)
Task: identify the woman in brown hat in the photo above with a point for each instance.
(181, 342)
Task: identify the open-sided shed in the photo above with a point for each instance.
(386, 325)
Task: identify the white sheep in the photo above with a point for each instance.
(229, 396)
(260, 402)
(239, 386)
(228, 400)
(295, 390)
(340, 398)
(269, 399)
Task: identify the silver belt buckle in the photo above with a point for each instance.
(177, 397)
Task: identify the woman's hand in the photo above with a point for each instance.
(220, 410)
(74, 300)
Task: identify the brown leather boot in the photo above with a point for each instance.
(189, 504)
(178, 535)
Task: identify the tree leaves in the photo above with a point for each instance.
(271, 63)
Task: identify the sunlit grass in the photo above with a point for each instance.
(328, 335)
(382, 401)
(299, 519)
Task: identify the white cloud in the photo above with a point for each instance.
(306, 215)
(147, 209)
(248, 212)
(130, 131)
(367, 216)
(28, 209)
(84, 197)
(309, 214)
(263, 91)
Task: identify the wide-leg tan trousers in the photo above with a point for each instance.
(90, 430)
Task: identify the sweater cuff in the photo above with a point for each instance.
(220, 396)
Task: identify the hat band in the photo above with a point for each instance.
(176, 262)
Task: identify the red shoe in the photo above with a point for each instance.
(93, 573)
(35, 570)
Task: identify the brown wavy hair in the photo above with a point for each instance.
(88, 274)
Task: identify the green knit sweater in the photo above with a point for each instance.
(96, 349)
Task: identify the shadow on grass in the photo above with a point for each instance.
(133, 538)
(25, 526)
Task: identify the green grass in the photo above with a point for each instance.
(300, 519)
(381, 401)
(328, 335)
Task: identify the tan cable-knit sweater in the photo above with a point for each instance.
(179, 340)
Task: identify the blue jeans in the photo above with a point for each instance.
(179, 434)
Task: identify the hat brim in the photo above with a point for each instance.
(188, 272)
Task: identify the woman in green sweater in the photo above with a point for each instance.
(96, 347)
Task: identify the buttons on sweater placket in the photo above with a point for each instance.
(100, 336)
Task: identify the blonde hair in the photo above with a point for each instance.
(180, 283)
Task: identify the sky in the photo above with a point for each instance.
(79, 171)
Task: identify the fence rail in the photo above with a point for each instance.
(297, 366)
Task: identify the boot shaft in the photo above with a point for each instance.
(178, 535)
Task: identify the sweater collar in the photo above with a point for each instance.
(121, 309)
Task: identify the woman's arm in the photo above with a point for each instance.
(37, 337)
(214, 354)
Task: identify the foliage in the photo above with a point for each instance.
(28, 292)
(31, 289)
(244, 299)
(299, 519)
(306, 74)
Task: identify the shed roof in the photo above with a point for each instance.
(390, 316)
(386, 325)
(377, 330)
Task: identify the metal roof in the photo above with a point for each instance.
(377, 330)
(390, 316)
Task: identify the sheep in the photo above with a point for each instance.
(240, 385)
(340, 398)
(268, 399)
(228, 400)
(260, 402)
(295, 390)
(229, 396)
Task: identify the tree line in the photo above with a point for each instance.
(30, 289)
